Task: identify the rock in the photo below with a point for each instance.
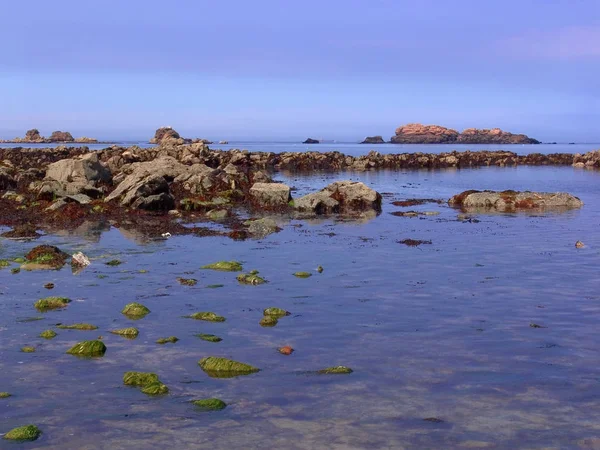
(311, 141)
(157, 202)
(303, 274)
(268, 321)
(285, 350)
(61, 136)
(209, 337)
(135, 310)
(170, 339)
(83, 169)
(48, 303)
(413, 242)
(207, 316)
(512, 200)
(261, 228)
(319, 203)
(210, 404)
(250, 278)
(130, 332)
(5, 395)
(49, 285)
(78, 326)
(270, 195)
(155, 389)
(415, 133)
(335, 370)
(80, 260)
(341, 196)
(28, 349)
(33, 135)
(223, 142)
(187, 281)
(25, 433)
(148, 382)
(45, 257)
(164, 134)
(225, 368)
(579, 244)
(114, 262)
(373, 140)
(88, 348)
(48, 334)
(493, 136)
(320, 269)
(225, 266)
(217, 214)
(7, 180)
(276, 312)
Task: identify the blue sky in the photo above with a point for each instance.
(288, 70)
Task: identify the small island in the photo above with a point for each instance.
(373, 140)
(416, 133)
(33, 136)
(311, 141)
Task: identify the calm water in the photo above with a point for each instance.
(441, 330)
(355, 149)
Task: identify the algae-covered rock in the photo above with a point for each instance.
(170, 339)
(19, 260)
(268, 321)
(335, 370)
(45, 257)
(303, 274)
(78, 326)
(140, 378)
(15, 270)
(187, 281)
(225, 266)
(129, 333)
(276, 312)
(28, 349)
(88, 348)
(286, 350)
(251, 278)
(25, 433)
(206, 315)
(225, 368)
(4, 263)
(48, 303)
(114, 262)
(135, 310)
(209, 337)
(5, 395)
(320, 269)
(48, 334)
(155, 389)
(210, 404)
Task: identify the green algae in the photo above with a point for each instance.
(209, 337)
(155, 389)
(45, 257)
(88, 348)
(19, 260)
(251, 278)
(268, 321)
(170, 339)
(5, 395)
(187, 281)
(225, 266)
(210, 404)
(303, 274)
(335, 370)
(4, 263)
(114, 262)
(218, 367)
(206, 315)
(29, 319)
(25, 433)
(276, 312)
(215, 286)
(48, 334)
(49, 303)
(78, 326)
(135, 310)
(148, 382)
(129, 333)
(28, 349)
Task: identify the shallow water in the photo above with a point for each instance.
(436, 331)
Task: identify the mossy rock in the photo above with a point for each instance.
(187, 281)
(19, 260)
(48, 303)
(210, 404)
(140, 379)
(206, 315)
(48, 334)
(225, 266)
(15, 270)
(45, 257)
(268, 321)
(251, 278)
(155, 389)
(335, 370)
(209, 337)
(25, 433)
(320, 269)
(4, 263)
(5, 395)
(130, 333)
(217, 367)
(135, 310)
(88, 348)
(78, 326)
(114, 262)
(170, 339)
(28, 349)
(303, 274)
(276, 312)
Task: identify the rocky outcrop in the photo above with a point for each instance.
(513, 200)
(163, 134)
(415, 133)
(61, 136)
(311, 141)
(270, 195)
(590, 160)
(373, 140)
(341, 197)
(33, 136)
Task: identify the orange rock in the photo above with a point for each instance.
(287, 350)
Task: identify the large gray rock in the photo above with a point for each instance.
(347, 197)
(318, 203)
(261, 228)
(270, 195)
(84, 169)
(513, 200)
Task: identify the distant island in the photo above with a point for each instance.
(415, 133)
(33, 136)
(168, 134)
(311, 141)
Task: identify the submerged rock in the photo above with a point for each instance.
(413, 242)
(261, 228)
(45, 257)
(225, 266)
(88, 348)
(251, 278)
(335, 370)
(155, 389)
(268, 321)
(209, 337)
(225, 368)
(187, 281)
(135, 310)
(206, 315)
(129, 332)
(25, 433)
(303, 274)
(48, 334)
(114, 262)
(513, 200)
(285, 350)
(28, 349)
(78, 326)
(48, 303)
(276, 312)
(579, 244)
(210, 404)
(170, 339)
(148, 382)
(5, 395)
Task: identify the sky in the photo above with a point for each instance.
(288, 70)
